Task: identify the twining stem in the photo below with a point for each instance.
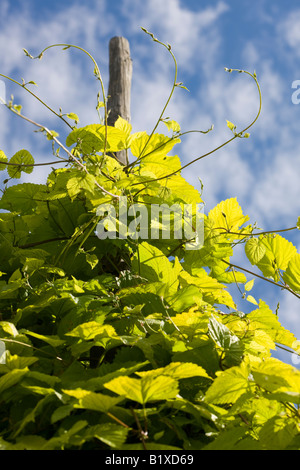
(286, 349)
(265, 232)
(168, 47)
(174, 137)
(236, 135)
(14, 341)
(21, 165)
(97, 73)
(36, 97)
(117, 420)
(282, 286)
(72, 157)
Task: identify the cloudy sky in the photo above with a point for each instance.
(206, 36)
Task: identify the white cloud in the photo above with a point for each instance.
(189, 33)
(289, 29)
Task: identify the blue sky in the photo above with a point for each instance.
(206, 36)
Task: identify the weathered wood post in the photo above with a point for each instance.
(119, 89)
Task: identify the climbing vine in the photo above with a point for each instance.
(113, 339)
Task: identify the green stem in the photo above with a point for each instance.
(72, 157)
(96, 72)
(265, 232)
(170, 96)
(261, 277)
(222, 145)
(36, 97)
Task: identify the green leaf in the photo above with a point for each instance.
(153, 265)
(74, 117)
(22, 157)
(278, 253)
(87, 138)
(277, 433)
(251, 299)
(12, 378)
(255, 250)
(66, 436)
(282, 381)
(81, 181)
(93, 260)
(90, 330)
(16, 362)
(172, 125)
(157, 146)
(31, 82)
(292, 273)
(124, 126)
(93, 401)
(185, 298)
(9, 328)
(265, 320)
(21, 197)
(92, 138)
(192, 322)
(53, 340)
(230, 385)
(51, 134)
(213, 291)
(227, 440)
(111, 434)
(177, 370)
(3, 158)
(32, 414)
(144, 390)
(249, 285)
(227, 215)
(231, 126)
(29, 442)
(226, 340)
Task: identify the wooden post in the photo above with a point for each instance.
(120, 74)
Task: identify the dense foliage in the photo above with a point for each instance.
(127, 342)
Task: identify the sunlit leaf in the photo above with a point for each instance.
(146, 389)
(20, 160)
(177, 370)
(93, 401)
(277, 253)
(3, 158)
(230, 385)
(74, 117)
(292, 273)
(152, 264)
(90, 330)
(228, 216)
(172, 125)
